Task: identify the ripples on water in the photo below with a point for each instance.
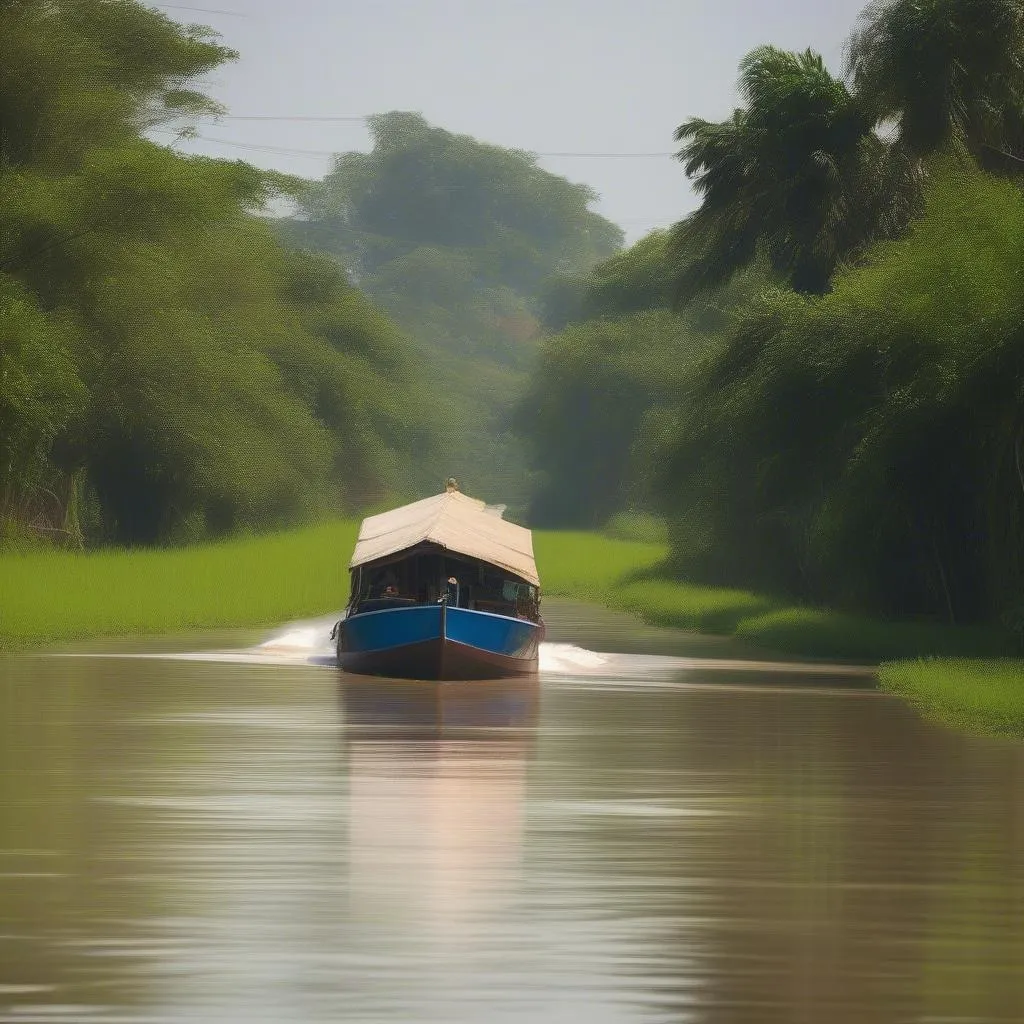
(663, 828)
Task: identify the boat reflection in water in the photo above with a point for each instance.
(437, 777)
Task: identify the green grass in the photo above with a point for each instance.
(980, 696)
(689, 605)
(637, 526)
(819, 633)
(589, 566)
(55, 596)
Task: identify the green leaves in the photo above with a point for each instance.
(162, 357)
(947, 73)
(859, 449)
(788, 176)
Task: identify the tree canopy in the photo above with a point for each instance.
(167, 369)
(797, 176)
(865, 448)
(456, 239)
(947, 73)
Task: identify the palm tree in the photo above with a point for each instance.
(797, 177)
(946, 73)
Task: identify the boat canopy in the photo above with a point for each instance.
(453, 521)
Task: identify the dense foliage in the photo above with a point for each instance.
(797, 176)
(866, 448)
(608, 376)
(455, 238)
(167, 369)
(843, 424)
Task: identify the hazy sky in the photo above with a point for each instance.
(550, 76)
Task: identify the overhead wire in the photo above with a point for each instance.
(293, 150)
(202, 10)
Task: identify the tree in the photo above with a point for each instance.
(455, 239)
(798, 175)
(865, 448)
(947, 73)
(168, 370)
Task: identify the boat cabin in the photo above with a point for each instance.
(447, 547)
(428, 573)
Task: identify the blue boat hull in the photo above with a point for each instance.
(438, 642)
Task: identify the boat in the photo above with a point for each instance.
(442, 589)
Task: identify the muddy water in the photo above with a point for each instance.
(676, 831)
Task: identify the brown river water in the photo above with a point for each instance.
(662, 828)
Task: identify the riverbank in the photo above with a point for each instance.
(967, 677)
(970, 694)
(54, 597)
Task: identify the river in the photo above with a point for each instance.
(662, 828)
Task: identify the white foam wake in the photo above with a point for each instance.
(567, 658)
(308, 642)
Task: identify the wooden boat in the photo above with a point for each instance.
(443, 588)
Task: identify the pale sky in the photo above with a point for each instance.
(549, 76)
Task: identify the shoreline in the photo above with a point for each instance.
(970, 678)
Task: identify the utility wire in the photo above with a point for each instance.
(290, 117)
(202, 10)
(289, 150)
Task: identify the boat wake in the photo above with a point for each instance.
(308, 643)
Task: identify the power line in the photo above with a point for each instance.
(203, 10)
(290, 117)
(290, 150)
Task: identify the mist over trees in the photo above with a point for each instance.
(456, 239)
(168, 371)
(850, 430)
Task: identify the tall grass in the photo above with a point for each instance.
(975, 695)
(52, 596)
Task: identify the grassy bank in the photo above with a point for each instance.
(979, 696)
(57, 596)
(54, 596)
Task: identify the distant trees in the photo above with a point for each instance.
(422, 186)
(455, 239)
(605, 381)
(167, 370)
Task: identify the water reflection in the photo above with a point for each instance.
(632, 840)
(436, 811)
